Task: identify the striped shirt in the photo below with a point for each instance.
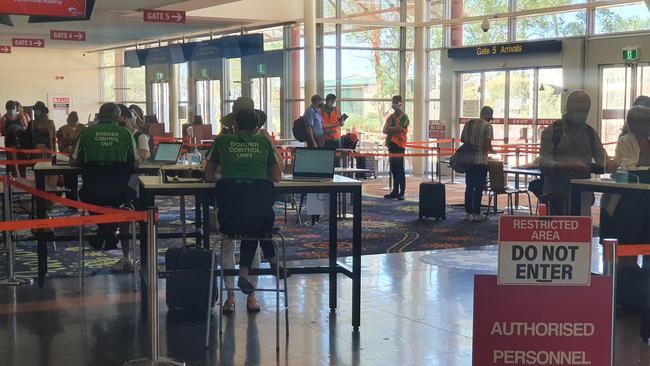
(478, 133)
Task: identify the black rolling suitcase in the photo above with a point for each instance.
(432, 200)
(188, 278)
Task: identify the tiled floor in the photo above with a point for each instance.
(413, 313)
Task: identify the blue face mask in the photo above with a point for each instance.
(580, 117)
(12, 113)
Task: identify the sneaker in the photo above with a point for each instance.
(391, 195)
(469, 217)
(122, 265)
(400, 197)
(479, 217)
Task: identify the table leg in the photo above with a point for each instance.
(576, 193)
(41, 248)
(356, 258)
(333, 252)
(205, 214)
(517, 188)
(146, 200)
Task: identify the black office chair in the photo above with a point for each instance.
(245, 211)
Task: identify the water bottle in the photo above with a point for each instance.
(621, 176)
(195, 158)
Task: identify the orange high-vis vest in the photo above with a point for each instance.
(331, 128)
(399, 138)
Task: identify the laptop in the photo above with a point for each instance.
(167, 153)
(313, 164)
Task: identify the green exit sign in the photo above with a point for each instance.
(630, 54)
(159, 76)
(261, 69)
(205, 73)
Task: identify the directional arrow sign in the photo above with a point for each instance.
(28, 42)
(62, 35)
(164, 16)
(5, 49)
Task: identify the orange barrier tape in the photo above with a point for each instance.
(23, 162)
(123, 216)
(440, 141)
(632, 250)
(412, 155)
(31, 151)
(65, 201)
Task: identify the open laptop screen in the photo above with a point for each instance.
(313, 163)
(167, 152)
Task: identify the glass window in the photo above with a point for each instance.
(435, 37)
(483, 7)
(367, 117)
(387, 10)
(329, 71)
(551, 25)
(329, 8)
(370, 37)
(495, 97)
(371, 73)
(135, 84)
(108, 84)
(434, 74)
(273, 38)
(473, 34)
(626, 18)
(329, 35)
(520, 117)
(410, 75)
(549, 94)
(234, 78)
(471, 97)
(182, 93)
(434, 110)
(107, 59)
(537, 4)
(436, 9)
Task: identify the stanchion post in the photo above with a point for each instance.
(154, 358)
(12, 279)
(610, 258)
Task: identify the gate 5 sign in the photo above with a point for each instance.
(544, 250)
(547, 325)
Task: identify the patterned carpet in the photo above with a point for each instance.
(388, 226)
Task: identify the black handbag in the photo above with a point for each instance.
(463, 158)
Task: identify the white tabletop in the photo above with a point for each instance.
(48, 166)
(153, 182)
(599, 182)
(352, 170)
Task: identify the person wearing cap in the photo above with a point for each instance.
(107, 155)
(314, 122)
(332, 122)
(12, 127)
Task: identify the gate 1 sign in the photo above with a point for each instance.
(544, 250)
(533, 325)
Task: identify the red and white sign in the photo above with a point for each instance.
(5, 49)
(495, 121)
(28, 42)
(543, 250)
(52, 8)
(520, 121)
(63, 35)
(436, 130)
(533, 325)
(164, 16)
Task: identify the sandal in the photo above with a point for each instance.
(252, 306)
(228, 308)
(245, 286)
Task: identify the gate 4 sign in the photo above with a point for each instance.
(544, 250)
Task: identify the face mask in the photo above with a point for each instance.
(38, 114)
(134, 122)
(580, 117)
(12, 113)
(395, 106)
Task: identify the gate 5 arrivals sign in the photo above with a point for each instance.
(542, 325)
(545, 250)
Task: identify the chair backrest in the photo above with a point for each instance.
(109, 181)
(496, 176)
(245, 207)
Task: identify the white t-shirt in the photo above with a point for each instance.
(143, 144)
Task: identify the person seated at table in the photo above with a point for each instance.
(66, 137)
(107, 155)
(259, 164)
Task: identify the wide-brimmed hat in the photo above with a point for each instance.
(40, 106)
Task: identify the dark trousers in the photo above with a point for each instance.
(397, 170)
(248, 249)
(69, 181)
(475, 179)
(334, 144)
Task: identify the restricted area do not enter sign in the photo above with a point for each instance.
(545, 250)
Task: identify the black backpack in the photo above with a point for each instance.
(299, 130)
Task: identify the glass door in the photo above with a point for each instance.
(265, 92)
(160, 102)
(208, 102)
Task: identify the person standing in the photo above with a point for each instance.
(332, 123)
(66, 137)
(314, 122)
(396, 130)
(478, 134)
(12, 127)
(570, 149)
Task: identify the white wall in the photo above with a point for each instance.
(29, 75)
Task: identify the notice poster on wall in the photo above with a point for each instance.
(60, 106)
(436, 130)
